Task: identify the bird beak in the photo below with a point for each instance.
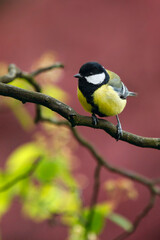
(78, 75)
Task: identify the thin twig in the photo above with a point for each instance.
(150, 184)
(45, 69)
(139, 217)
(14, 72)
(123, 172)
(105, 163)
(94, 197)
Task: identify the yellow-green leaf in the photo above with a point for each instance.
(121, 221)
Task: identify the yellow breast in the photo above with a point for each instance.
(108, 101)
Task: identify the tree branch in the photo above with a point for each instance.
(73, 117)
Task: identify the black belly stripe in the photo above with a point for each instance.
(87, 90)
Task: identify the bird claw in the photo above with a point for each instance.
(119, 129)
(119, 132)
(94, 120)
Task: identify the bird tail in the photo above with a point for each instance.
(132, 93)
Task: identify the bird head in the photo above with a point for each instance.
(93, 73)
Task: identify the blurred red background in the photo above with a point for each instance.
(122, 35)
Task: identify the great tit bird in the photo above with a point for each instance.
(102, 92)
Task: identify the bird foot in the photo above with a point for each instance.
(94, 120)
(119, 129)
(119, 132)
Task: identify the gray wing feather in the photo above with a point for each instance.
(124, 92)
(119, 86)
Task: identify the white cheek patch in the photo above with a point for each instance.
(96, 79)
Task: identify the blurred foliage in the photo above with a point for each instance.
(40, 172)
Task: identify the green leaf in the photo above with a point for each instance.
(77, 232)
(5, 197)
(21, 114)
(5, 200)
(22, 158)
(21, 83)
(101, 211)
(55, 167)
(121, 221)
(47, 171)
(18, 109)
(55, 92)
(43, 201)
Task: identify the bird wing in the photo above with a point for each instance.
(116, 83)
